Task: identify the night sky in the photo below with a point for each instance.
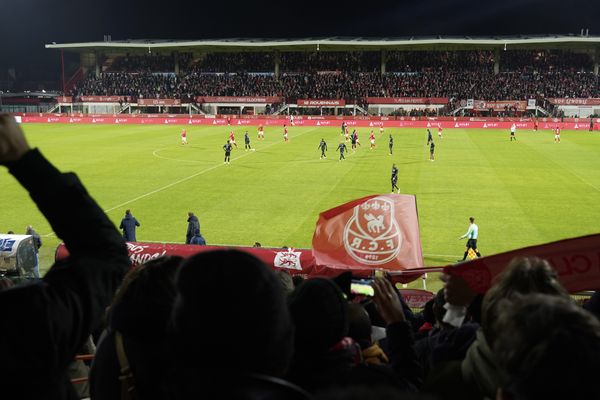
(26, 25)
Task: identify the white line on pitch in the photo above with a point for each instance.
(192, 176)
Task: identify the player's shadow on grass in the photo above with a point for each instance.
(410, 162)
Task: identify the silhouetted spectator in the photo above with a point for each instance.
(548, 347)
(137, 322)
(230, 322)
(47, 322)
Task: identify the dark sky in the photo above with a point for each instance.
(26, 25)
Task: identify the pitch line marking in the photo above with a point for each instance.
(177, 182)
(155, 154)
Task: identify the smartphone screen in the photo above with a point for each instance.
(362, 287)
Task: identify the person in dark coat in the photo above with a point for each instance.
(230, 322)
(37, 241)
(139, 317)
(47, 321)
(193, 227)
(198, 238)
(128, 224)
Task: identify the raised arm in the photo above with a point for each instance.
(48, 321)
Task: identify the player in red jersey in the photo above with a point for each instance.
(184, 137)
(535, 125)
(232, 139)
(557, 135)
(440, 131)
(381, 130)
(285, 133)
(261, 132)
(372, 139)
(347, 135)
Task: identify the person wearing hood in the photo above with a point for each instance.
(193, 227)
(128, 225)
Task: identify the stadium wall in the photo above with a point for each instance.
(372, 122)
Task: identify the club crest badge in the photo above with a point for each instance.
(288, 259)
(372, 235)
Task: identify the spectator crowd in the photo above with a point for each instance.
(353, 76)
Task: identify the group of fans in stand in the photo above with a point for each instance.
(539, 74)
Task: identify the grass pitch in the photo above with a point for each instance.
(521, 193)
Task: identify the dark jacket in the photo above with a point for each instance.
(198, 239)
(128, 225)
(48, 321)
(193, 227)
(37, 240)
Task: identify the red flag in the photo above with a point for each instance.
(374, 232)
(577, 262)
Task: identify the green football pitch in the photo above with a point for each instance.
(521, 193)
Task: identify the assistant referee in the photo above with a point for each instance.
(471, 235)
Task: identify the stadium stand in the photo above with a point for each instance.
(353, 75)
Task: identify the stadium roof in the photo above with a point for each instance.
(338, 44)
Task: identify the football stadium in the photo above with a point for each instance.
(430, 205)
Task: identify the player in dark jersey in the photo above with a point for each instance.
(431, 150)
(342, 148)
(353, 139)
(227, 147)
(429, 137)
(395, 178)
(343, 127)
(247, 142)
(391, 144)
(323, 147)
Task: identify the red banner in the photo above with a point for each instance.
(379, 231)
(159, 102)
(321, 102)
(407, 100)
(231, 99)
(575, 102)
(482, 105)
(577, 262)
(100, 99)
(64, 99)
(155, 119)
(296, 261)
